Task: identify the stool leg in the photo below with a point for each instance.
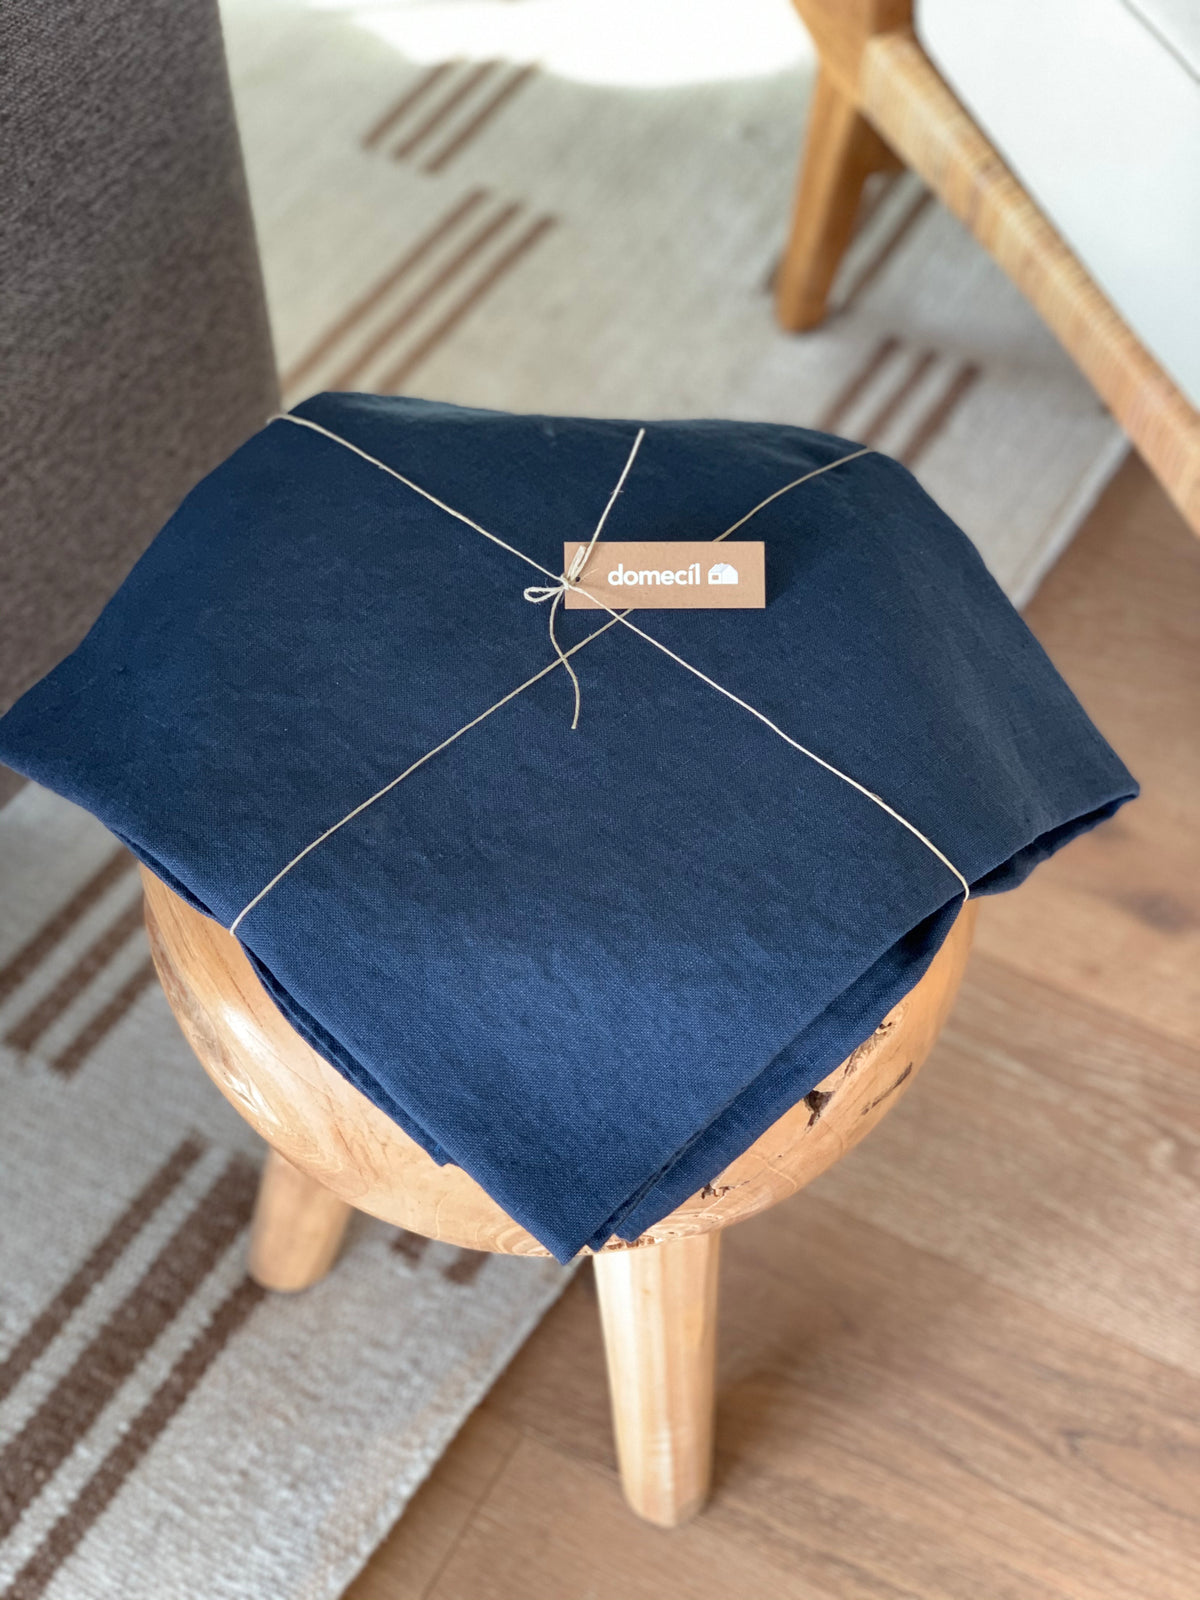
(297, 1229)
(658, 1308)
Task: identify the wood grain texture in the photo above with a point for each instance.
(1099, 1118)
(1116, 918)
(961, 1366)
(868, 51)
(842, 29)
(328, 1130)
(297, 1228)
(902, 95)
(889, 1425)
(658, 1310)
(423, 1540)
(841, 150)
(332, 1149)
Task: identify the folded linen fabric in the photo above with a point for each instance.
(591, 966)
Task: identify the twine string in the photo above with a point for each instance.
(409, 770)
(538, 594)
(554, 591)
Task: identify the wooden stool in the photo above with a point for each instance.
(332, 1150)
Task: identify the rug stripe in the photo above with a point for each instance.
(886, 251)
(442, 110)
(26, 1032)
(862, 221)
(903, 392)
(31, 954)
(101, 1488)
(39, 1448)
(407, 102)
(95, 1029)
(856, 384)
(868, 208)
(465, 1267)
(349, 375)
(939, 415)
(48, 1323)
(409, 1245)
(475, 124)
(502, 265)
(367, 303)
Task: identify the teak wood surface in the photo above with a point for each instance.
(331, 1150)
(326, 1128)
(879, 97)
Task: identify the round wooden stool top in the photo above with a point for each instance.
(329, 1130)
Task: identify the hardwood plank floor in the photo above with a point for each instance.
(890, 1424)
(965, 1365)
(1054, 1148)
(1116, 918)
(420, 1545)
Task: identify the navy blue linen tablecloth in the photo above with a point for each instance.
(588, 967)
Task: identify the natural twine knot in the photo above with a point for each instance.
(569, 580)
(537, 594)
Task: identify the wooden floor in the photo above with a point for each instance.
(965, 1365)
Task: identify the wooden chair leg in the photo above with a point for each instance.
(297, 1229)
(841, 150)
(658, 1306)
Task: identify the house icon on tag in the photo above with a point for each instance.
(722, 572)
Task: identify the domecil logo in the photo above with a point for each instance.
(668, 575)
(720, 572)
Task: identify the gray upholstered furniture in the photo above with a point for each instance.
(134, 348)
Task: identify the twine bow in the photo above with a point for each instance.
(554, 592)
(538, 594)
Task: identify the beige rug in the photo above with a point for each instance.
(576, 205)
(167, 1431)
(568, 205)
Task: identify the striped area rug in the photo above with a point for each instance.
(167, 1430)
(525, 204)
(554, 205)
